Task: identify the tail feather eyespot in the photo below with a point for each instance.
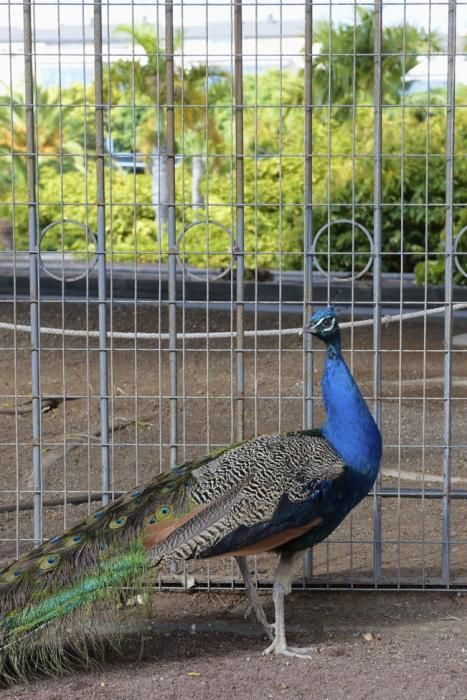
(118, 522)
(74, 540)
(11, 576)
(164, 512)
(49, 562)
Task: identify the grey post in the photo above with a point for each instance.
(101, 254)
(34, 290)
(308, 239)
(448, 283)
(377, 221)
(240, 218)
(170, 97)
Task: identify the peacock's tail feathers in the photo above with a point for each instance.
(65, 558)
(47, 635)
(44, 595)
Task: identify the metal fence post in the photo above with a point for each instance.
(101, 254)
(377, 223)
(448, 284)
(34, 288)
(171, 223)
(240, 219)
(308, 239)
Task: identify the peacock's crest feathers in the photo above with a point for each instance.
(327, 312)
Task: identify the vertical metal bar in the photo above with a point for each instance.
(160, 352)
(448, 282)
(280, 237)
(61, 199)
(240, 218)
(34, 291)
(377, 223)
(308, 239)
(354, 112)
(257, 112)
(110, 262)
(170, 77)
(15, 300)
(424, 427)
(101, 253)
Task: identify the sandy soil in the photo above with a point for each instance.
(377, 646)
(417, 642)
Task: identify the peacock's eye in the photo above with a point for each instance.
(327, 323)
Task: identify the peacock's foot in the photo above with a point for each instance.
(283, 649)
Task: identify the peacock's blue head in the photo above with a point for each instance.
(323, 324)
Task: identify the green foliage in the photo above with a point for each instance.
(344, 68)
(413, 164)
(130, 226)
(274, 198)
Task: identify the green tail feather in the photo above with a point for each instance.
(47, 597)
(115, 571)
(36, 638)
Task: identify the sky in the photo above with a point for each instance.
(193, 13)
(198, 12)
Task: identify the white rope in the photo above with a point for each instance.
(69, 332)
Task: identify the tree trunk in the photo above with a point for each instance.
(197, 171)
(159, 187)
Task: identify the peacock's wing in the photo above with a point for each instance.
(267, 492)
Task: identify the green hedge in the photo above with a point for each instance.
(274, 197)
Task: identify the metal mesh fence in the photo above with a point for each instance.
(179, 167)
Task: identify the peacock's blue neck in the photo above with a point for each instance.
(350, 427)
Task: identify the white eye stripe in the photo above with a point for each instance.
(327, 328)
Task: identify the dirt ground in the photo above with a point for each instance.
(377, 646)
(415, 643)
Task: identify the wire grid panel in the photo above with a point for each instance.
(199, 166)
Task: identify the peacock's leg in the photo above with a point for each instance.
(282, 587)
(255, 603)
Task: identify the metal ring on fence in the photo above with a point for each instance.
(199, 276)
(456, 241)
(89, 237)
(335, 276)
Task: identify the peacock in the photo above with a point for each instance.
(279, 493)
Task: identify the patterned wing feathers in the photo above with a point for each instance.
(254, 507)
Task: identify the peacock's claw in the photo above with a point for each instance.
(284, 650)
